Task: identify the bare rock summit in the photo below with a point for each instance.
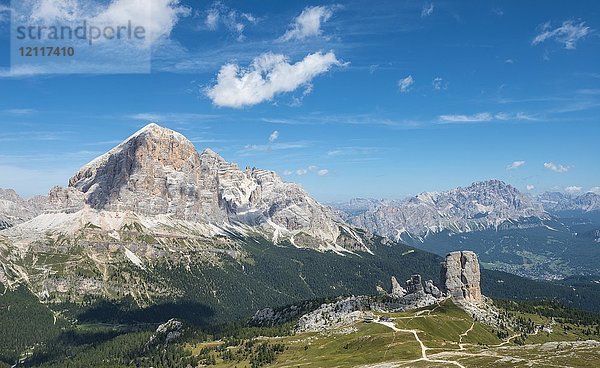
(460, 277)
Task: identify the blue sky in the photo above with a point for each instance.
(369, 99)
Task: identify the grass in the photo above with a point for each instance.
(440, 329)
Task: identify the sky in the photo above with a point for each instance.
(378, 99)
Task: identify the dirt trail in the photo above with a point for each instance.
(424, 348)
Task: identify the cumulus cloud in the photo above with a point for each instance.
(573, 189)
(405, 84)
(233, 20)
(308, 23)
(530, 187)
(594, 190)
(158, 19)
(287, 172)
(274, 136)
(557, 167)
(268, 75)
(301, 172)
(515, 165)
(323, 172)
(567, 34)
(483, 117)
(427, 10)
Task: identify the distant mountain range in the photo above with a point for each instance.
(483, 205)
(552, 235)
(562, 203)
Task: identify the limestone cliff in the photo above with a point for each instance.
(460, 277)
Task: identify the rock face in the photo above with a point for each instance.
(156, 171)
(461, 277)
(397, 290)
(414, 284)
(482, 205)
(430, 288)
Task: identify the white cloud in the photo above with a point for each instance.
(439, 84)
(268, 75)
(530, 187)
(483, 117)
(405, 84)
(4, 17)
(233, 20)
(515, 165)
(427, 10)
(312, 169)
(159, 19)
(573, 189)
(475, 118)
(19, 111)
(594, 190)
(272, 147)
(568, 33)
(212, 19)
(557, 167)
(274, 136)
(308, 23)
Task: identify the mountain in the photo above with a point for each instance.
(484, 205)
(548, 237)
(157, 221)
(568, 205)
(157, 173)
(15, 210)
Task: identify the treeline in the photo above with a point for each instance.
(551, 309)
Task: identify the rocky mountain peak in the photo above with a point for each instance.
(155, 171)
(482, 205)
(158, 175)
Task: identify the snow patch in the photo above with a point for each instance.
(134, 259)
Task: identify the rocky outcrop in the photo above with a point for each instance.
(333, 315)
(460, 277)
(166, 333)
(430, 288)
(414, 284)
(67, 200)
(397, 290)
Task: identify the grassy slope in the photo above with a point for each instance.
(439, 329)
